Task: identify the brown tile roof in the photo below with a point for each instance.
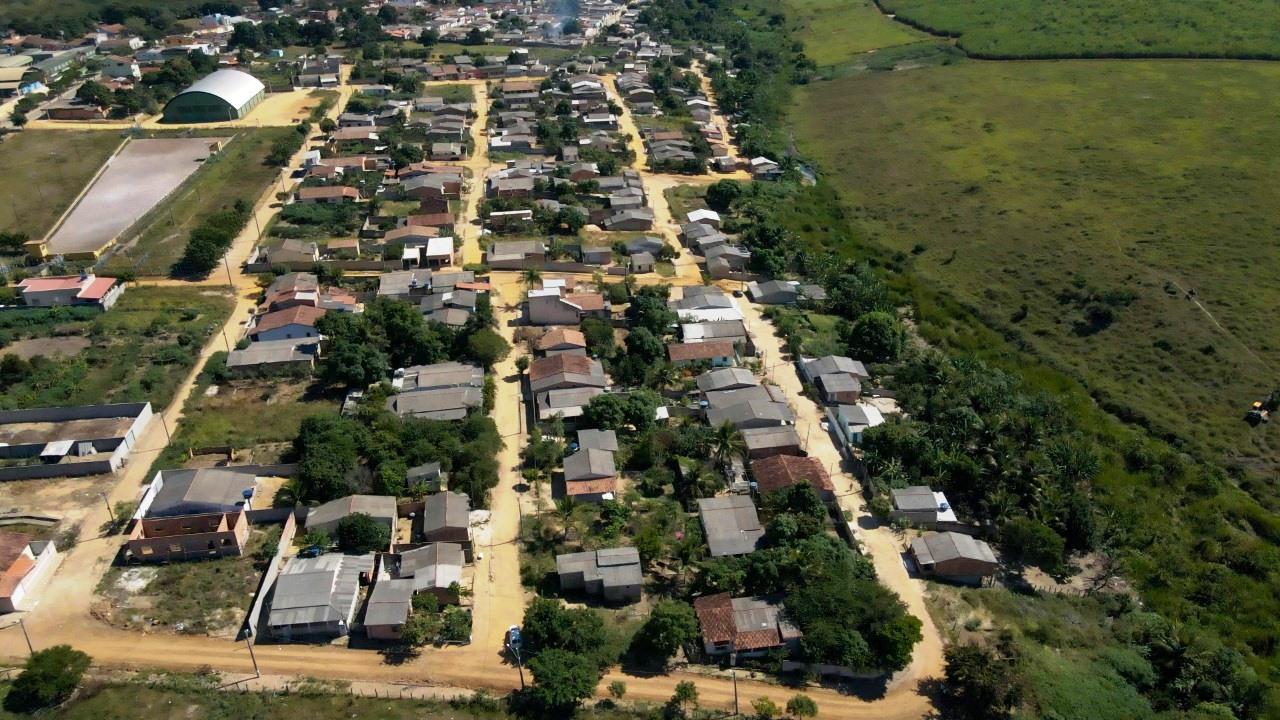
(680, 352)
(715, 615)
(325, 192)
(14, 564)
(300, 314)
(548, 366)
(586, 301)
(780, 471)
(431, 219)
(562, 336)
(590, 487)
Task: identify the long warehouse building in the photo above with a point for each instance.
(220, 96)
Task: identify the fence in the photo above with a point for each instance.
(252, 622)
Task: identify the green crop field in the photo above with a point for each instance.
(1114, 217)
(155, 243)
(44, 171)
(834, 31)
(1101, 28)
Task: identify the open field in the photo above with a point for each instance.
(155, 242)
(140, 350)
(834, 31)
(43, 174)
(1080, 204)
(1100, 28)
(143, 174)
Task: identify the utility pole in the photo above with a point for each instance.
(735, 691)
(252, 657)
(111, 513)
(230, 283)
(165, 425)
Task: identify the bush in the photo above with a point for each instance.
(359, 533)
(48, 678)
(1033, 542)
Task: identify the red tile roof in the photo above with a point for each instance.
(548, 366)
(562, 336)
(443, 219)
(586, 301)
(298, 314)
(681, 352)
(715, 615)
(780, 471)
(590, 487)
(48, 284)
(327, 191)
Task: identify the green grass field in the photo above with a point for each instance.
(1049, 196)
(155, 243)
(834, 31)
(140, 350)
(44, 171)
(1101, 28)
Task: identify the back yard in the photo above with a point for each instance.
(140, 350)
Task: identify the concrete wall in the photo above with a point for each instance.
(40, 472)
(254, 618)
(189, 537)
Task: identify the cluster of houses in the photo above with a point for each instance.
(721, 256)
(282, 335)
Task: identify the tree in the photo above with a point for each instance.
(328, 125)
(48, 678)
(246, 35)
(599, 336)
(617, 689)
(387, 14)
(531, 277)
(522, 364)
(642, 344)
(877, 337)
(429, 37)
(722, 193)
(487, 347)
(802, 706)
(670, 626)
(561, 680)
(1031, 541)
(765, 709)
(95, 92)
(359, 533)
(981, 683)
(328, 450)
(475, 37)
(686, 695)
(606, 412)
(727, 443)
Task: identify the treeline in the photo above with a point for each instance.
(211, 239)
(150, 19)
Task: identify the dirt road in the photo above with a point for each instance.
(499, 598)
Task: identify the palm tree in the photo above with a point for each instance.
(531, 277)
(564, 509)
(664, 376)
(727, 444)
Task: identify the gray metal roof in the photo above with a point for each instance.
(318, 590)
(272, 351)
(381, 507)
(589, 464)
(437, 565)
(940, 547)
(726, 379)
(233, 86)
(774, 437)
(731, 525)
(436, 404)
(206, 490)
(443, 375)
(445, 510)
(740, 396)
(614, 567)
(832, 364)
(754, 411)
(389, 603)
(916, 497)
(425, 471)
(598, 439)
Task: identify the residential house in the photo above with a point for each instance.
(326, 518)
(549, 306)
(735, 331)
(294, 251)
(273, 357)
(387, 611)
(744, 627)
(562, 341)
(592, 439)
(438, 404)
(726, 379)
(642, 262)
(24, 563)
(762, 168)
(445, 519)
(851, 421)
(783, 471)
(719, 353)
(316, 598)
(291, 323)
(954, 556)
(566, 403)
(703, 216)
(515, 254)
(731, 525)
(612, 573)
(328, 194)
(449, 374)
(590, 475)
(434, 569)
(405, 284)
(773, 292)
(59, 290)
(565, 371)
(632, 219)
(428, 475)
(769, 441)
(922, 506)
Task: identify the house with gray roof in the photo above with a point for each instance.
(954, 556)
(436, 404)
(735, 378)
(598, 440)
(769, 441)
(590, 475)
(612, 573)
(445, 518)
(435, 568)
(315, 598)
(428, 474)
(440, 375)
(752, 414)
(922, 506)
(269, 357)
(326, 517)
(731, 525)
(773, 292)
(390, 603)
(174, 493)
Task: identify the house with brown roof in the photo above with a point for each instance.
(552, 306)
(565, 371)
(23, 564)
(562, 341)
(782, 471)
(954, 556)
(590, 475)
(743, 627)
(334, 194)
(288, 324)
(719, 353)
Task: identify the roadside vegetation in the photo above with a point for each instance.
(1151, 501)
(140, 350)
(1102, 28)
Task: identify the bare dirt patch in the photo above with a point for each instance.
(48, 347)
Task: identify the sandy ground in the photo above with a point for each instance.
(499, 598)
(136, 179)
(48, 347)
(277, 109)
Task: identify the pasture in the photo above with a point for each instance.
(1100, 28)
(44, 171)
(834, 31)
(1114, 218)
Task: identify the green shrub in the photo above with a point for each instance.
(48, 678)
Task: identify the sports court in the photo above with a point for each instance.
(137, 179)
